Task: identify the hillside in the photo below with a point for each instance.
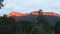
(51, 16)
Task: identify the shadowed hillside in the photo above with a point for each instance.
(51, 16)
(36, 22)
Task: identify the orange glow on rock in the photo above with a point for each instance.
(15, 13)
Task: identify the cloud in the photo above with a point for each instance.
(30, 5)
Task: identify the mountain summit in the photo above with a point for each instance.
(15, 13)
(50, 16)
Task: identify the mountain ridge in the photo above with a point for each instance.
(15, 13)
(50, 16)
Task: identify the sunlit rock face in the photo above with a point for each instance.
(15, 13)
(51, 16)
(46, 13)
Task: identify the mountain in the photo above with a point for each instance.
(51, 16)
(14, 13)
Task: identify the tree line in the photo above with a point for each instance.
(8, 25)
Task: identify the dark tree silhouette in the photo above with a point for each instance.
(43, 23)
(57, 27)
(1, 3)
(7, 25)
(25, 27)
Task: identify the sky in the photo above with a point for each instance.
(25, 6)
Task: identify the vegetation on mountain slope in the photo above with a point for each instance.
(8, 25)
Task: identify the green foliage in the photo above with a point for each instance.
(57, 27)
(42, 22)
(25, 26)
(40, 26)
(10, 26)
(7, 25)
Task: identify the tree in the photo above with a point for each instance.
(8, 25)
(42, 23)
(25, 27)
(57, 27)
(1, 3)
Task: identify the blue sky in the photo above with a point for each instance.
(25, 6)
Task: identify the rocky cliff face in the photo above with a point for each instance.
(51, 16)
(15, 13)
